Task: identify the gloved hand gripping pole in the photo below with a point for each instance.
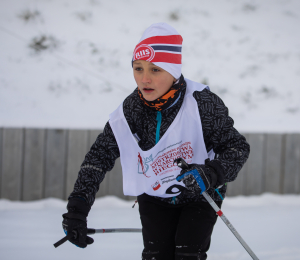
(92, 231)
(183, 165)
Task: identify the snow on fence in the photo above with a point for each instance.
(41, 163)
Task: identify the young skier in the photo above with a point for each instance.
(166, 117)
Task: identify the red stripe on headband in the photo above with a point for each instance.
(168, 39)
(167, 57)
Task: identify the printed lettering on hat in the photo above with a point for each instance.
(144, 52)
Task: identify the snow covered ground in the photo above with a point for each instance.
(248, 52)
(268, 223)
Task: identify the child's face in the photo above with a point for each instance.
(152, 80)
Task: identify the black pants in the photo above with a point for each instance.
(176, 232)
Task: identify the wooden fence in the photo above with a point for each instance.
(42, 163)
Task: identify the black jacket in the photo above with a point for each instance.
(229, 145)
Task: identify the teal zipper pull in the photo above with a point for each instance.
(158, 119)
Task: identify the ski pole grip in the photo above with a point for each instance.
(91, 231)
(63, 240)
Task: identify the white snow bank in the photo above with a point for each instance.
(107, 202)
(264, 200)
(268, 223)
(52, 203)
(31, 205)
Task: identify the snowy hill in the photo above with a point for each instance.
(68, 63)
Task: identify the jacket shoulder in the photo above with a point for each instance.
(206, 96)
(131, 101)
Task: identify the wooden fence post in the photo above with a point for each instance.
(1, 154)
(273, 155)
(33, 180)
(12, 163)
(254, 181)
(55, 165)
(291, 180)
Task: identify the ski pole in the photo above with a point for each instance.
(114, 230)
(183, 165)
(92, 231)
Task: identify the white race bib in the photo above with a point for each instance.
(153, 171)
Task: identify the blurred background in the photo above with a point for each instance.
(66, 65)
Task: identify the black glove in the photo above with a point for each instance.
(198, 177)
(75, 222)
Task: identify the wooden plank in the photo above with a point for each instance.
(254, 178)
(77, 149)
(1, 145)
(55, 163)
(12, 161)
(237, 187)
(273, 155)
(291, 178)
(33, 181)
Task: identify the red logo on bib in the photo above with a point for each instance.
(144, 52)
(156, 185)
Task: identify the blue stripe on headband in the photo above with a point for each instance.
(166, 48)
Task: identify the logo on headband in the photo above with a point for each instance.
(143, 52)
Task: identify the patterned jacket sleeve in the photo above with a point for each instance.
(229, 145)
(99, 160)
